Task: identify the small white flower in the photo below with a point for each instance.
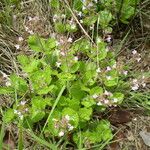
(108, 39)
(54, 119)
(134, 52)
(80, 13)
(30, 32)
(107, 93)
(26, 28)
(99, 40)
(55, 17)
(26, 109)
(108, 68)
(63, 16)
(91, 27)
(135, 119)
(62, 53)
(19, 113)
(108, 77)
(71, 21)
(81, 21)
(69, 40)
(30, 18)
(115, 100)
(90, 5)
(61, 133)
(83, 8)
(95, 1)
(76, 58)
(125, 72)
(4, 75)
(21, 117)
(36, 18)
(144, 84)
(14, 17)
(99, 104)
(58, 64)
(73, 26)
(135, 87)
(114, 65)
(8, 83)
(135, 80)
(70, 127)
(98, 70)
(17, 46)
(107, 49)
(95, 96)
(15, 111)
(20, 38)
(106, 101)
(67, 117)
(57, 43)
(138, 59)
(22, 103)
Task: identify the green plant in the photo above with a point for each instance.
(64, 82)
(82, 87)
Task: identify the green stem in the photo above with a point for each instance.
(55, 104)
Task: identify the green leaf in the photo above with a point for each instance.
(6, 90)
(60, 28)
(88, 102)
(36, 43)
(96, 90)
(104, 18)
(126, 13)
(51, 122)
(55, 4)
(85, 114)
(23, 60)
(38, 102)
(112, 82)
(74, 67)
(119, 96)
(76, 92)
(50, 44)
(103, 130)
(37, 115)
(32, 66)
(102, 50)
(19, 84)
(72, 114)
(90, 20)
(77, 5)
(9, 115)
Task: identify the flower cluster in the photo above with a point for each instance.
(63, 125)
(21, 110)
(106, 99)
(136, 55)
(6, 79)
(137, 83)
